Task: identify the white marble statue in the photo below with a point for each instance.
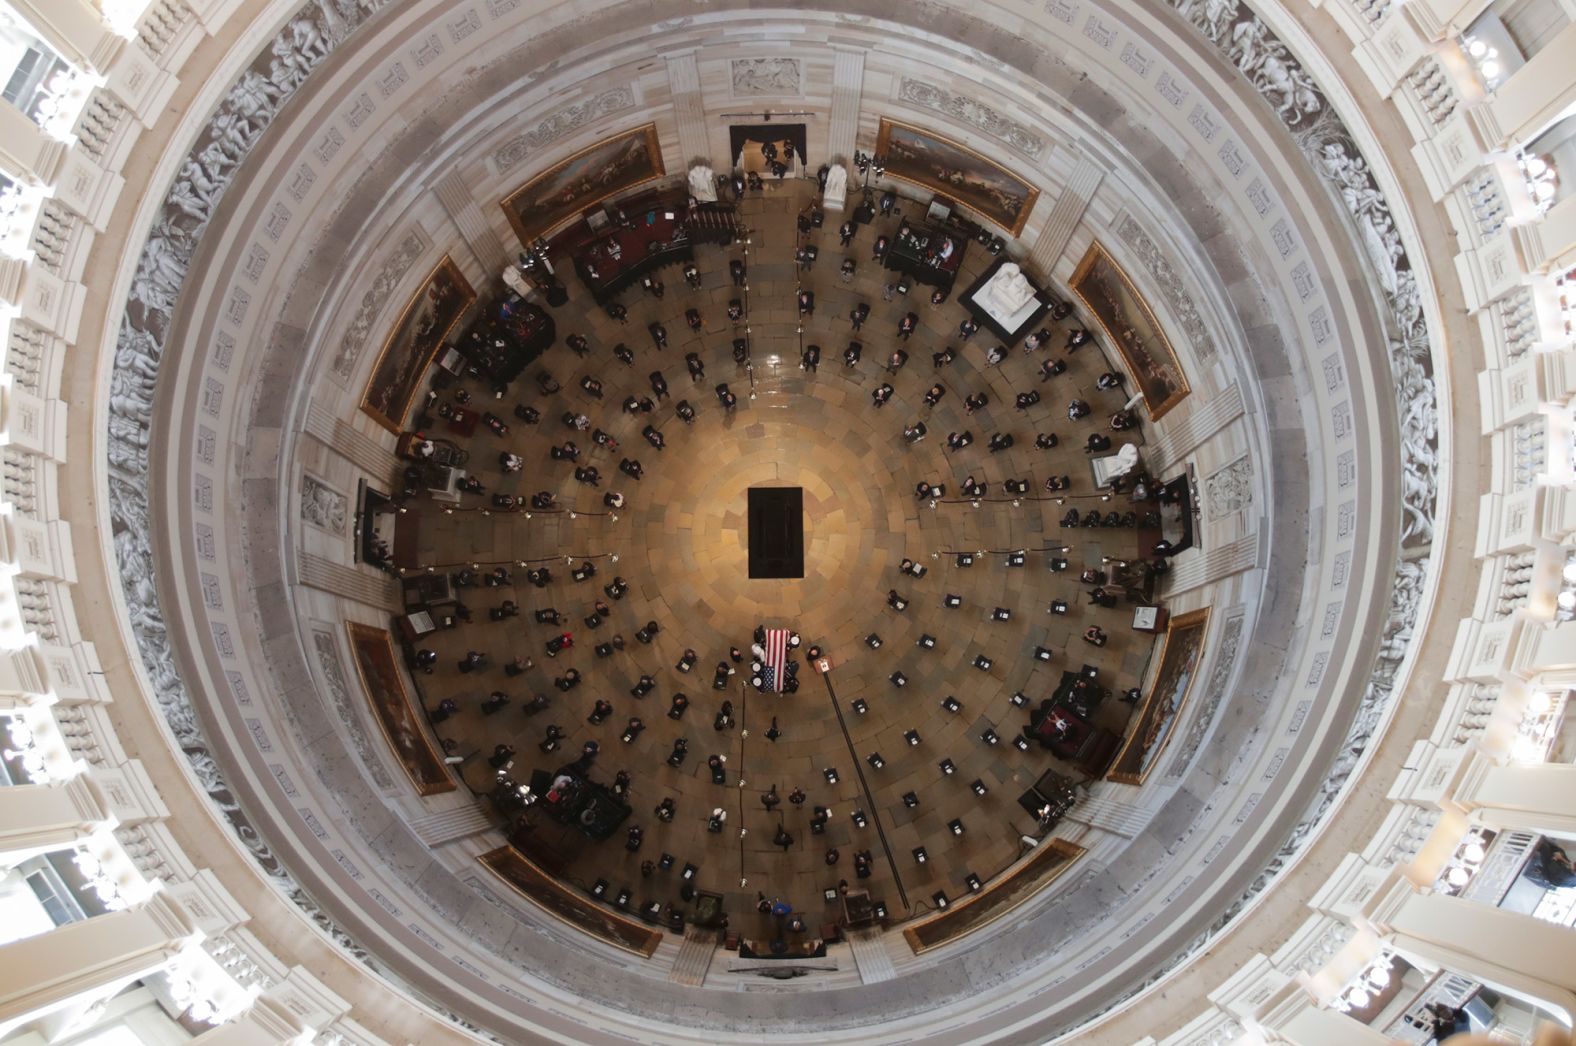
(836, 188)
(1009, 290)
(703, 183)
(1126, 461)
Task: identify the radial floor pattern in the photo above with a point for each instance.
(682, 543)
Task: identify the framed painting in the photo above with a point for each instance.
(957, 172)
(426, 323)
(1022, 881)
(584, 180)
(520, 872)
(1151, 727)
(1128, 322)
(379, 670)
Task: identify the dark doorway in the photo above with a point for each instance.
(776, 532)
(746, 140)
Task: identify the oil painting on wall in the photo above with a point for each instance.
(956, 172)
(380, 678)
(1130, 325)
(1151, 727)
(521, 873)
(429, 319)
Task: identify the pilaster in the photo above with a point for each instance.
(1065, 215)
(460, 204)
(848, 85)
(689, 113)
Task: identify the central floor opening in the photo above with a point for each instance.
(776, 532)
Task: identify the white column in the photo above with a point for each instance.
(842, 131)
(73, 29)
(297, 1006)
(1437, 19)
(1536, 798)
(1515, 954)
(69, 969)
(1532, 96)
(1065, 215)
(265, 1024)
(1292, 1015)
(37, 819)
(1549, 242)
(689, 113)
(25, 150)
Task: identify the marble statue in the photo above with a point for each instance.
(1126, 461)
(836, 188)
(1009, 290)
(703, 183)
(515, 281)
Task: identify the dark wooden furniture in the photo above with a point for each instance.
(655, 232)
(922, 251)
(516, 332)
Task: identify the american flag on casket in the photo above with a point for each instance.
(775, 664)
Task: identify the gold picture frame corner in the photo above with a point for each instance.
(1186, 620)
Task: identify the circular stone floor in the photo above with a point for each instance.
(681, 542)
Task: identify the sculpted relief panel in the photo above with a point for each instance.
(322, 505)
(564, 121)
(766, 76)
(1231, 489)
(1170, 285)
(1014, 135)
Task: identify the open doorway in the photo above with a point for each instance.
(756, 147)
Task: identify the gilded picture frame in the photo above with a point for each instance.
(552, 896)
(428, 319)
(377, 666)
(1152, 726)
(572, 185)
(952, 170)
(1043, 866)
(1130, 326)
